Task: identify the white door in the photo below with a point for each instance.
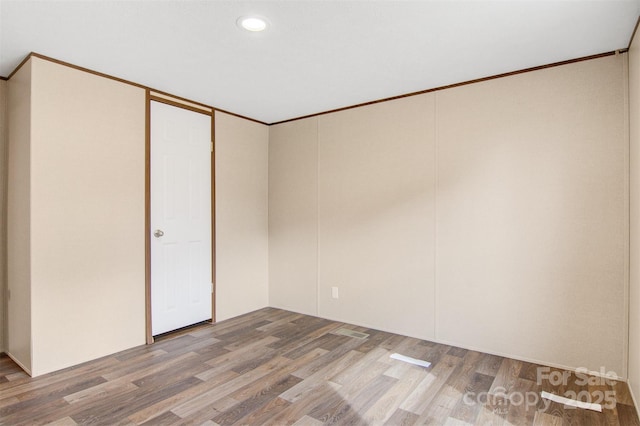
(180, 217)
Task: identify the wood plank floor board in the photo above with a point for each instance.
(32, 413)
(622, 393)
(441, 411)
(434, 354)
(301, 407)
(8, 401)
(375, 340)
(212, 351)
(287, 346)
(328, 342)
(492, 414)
(206, 413)
(244, 354)
(611, 417)
(165, 419)
(467, 409)
(125, 404)
(16, 377)
(231, 386)
(369, 375)
(320, 363)
(224, 389)
(298, 328)
(399, 369)
(459, 352)
(506, 377)
(321, 376)
(442, 399)
(150, 412)
(13, 388)
(544, 419)
(256, 401)
(388, 403)
(53, 399)
(107, 388)
(61, 389)
(529, 371)
(206, 344)
(402, 418)
(599, 391)
(65, 421)
(331, 409)
(463, 380)
(422, 396)
(276, 375)
(523, 408)
(9, 368)
(394, 342)
(368, 397)
(135, 352)
(489, 365)
(142, 361)
(293, 338)
(241, 331)
(307, 421)
(362, 370)
(163, 377)
(339, 405)
(175, 343)
(274, 367)
(301, 337)
(627, 415)
(238, 322)
(242, 360)
(219, 405)
(275, 323)
(264, 413)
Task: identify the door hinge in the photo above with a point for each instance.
(211, 287)
(211, 146)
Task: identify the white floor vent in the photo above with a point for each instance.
(410, 360)
(350, 333)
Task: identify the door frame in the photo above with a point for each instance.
(149, 97)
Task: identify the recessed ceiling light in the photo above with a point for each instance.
(253, 23)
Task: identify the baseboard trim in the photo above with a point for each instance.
(20, 364)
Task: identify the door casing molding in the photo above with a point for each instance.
(149, 97)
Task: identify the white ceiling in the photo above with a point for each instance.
(317, 55)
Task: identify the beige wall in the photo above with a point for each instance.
(18, 339)
(375, 215)
(241, 174)
(634, 276)
(293, 216)
(532, 215)
(87, 216)
(77, 196)
(491, 216)
(3, 208)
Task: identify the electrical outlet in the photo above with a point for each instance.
(334, 292)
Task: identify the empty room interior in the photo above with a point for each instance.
(319, 212)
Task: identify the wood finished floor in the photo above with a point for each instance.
(277, 367)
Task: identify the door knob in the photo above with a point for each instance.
(158, 233)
